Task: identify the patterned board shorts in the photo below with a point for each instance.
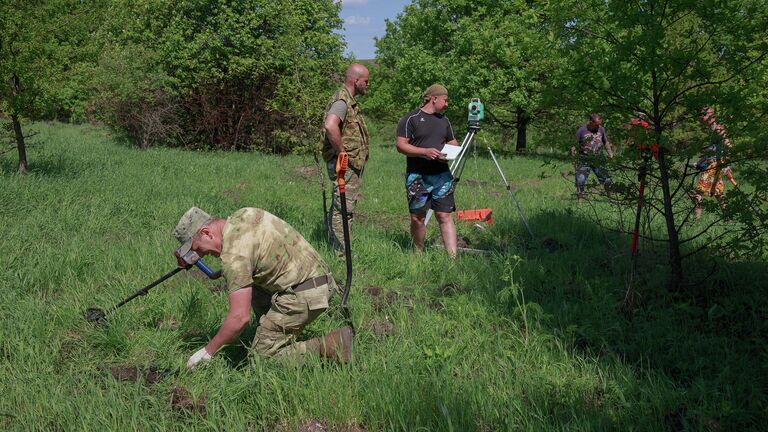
(430, 192)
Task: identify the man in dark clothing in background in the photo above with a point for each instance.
(591, 139)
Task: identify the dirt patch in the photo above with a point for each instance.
(383, 300)
(182, 401)
(124, 373)
(382, 328)
(436, 305)
(373, 291)
(132, 374)
(155, 375)
(233, 192)
(308, 172)
(384, 220)
(319, 426)
(552, 245)
(167, 323)
(450, 289)
(70, 344)
(462, 242)
(475, 182)
(387, 300)
(530, 182)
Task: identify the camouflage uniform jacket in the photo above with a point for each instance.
(354, 132)
(262, 250)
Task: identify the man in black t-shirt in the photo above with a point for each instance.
(421, 135)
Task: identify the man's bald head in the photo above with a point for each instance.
(355, 70)
(356, 78)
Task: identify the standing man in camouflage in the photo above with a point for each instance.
(345, 131)
(272, 269)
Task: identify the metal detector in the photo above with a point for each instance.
(341, 172)
(476, 114)
(98, 316)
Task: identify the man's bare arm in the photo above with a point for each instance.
(408, 149)
(333, 132)
(238, 317)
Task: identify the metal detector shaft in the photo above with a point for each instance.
(146, 289)
(509, 189)
(97, 315)
(341, 171)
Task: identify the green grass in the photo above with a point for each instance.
(529, 337)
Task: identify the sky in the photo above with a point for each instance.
(364, 20)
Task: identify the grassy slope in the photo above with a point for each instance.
(529, 337)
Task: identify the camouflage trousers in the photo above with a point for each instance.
(282, 317)
(353, 181)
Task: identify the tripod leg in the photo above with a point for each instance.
(509, 189)
(457, 166)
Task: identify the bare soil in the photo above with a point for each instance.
(319, 426)
(552, 245)
(167, 323)
(132, 374)
(382, 327)
(182, 401)
(233, 192)
(308, 173)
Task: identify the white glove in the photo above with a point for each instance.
(198, 357)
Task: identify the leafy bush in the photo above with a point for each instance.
(227, 75)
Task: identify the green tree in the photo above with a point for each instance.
(502, 52)
(228, 74)
(42, 43)
(669, 59)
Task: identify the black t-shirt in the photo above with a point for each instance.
(425, 131)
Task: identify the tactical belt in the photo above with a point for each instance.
(311, 283)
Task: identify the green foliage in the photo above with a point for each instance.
(502, 52)
(44, 45)
(528, 337)
(669, 60)
(230, 75)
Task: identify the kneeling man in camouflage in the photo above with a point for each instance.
(272, 269)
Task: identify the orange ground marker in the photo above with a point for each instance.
(483, 215)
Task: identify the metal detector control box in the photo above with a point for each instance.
(476, 111)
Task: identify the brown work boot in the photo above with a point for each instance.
(336, 345)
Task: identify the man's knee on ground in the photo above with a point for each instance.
(269, 340)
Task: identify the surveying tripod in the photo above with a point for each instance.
(457, 168)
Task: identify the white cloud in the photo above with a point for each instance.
(354, 2)
(357, 20)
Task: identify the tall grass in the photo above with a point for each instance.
(527, 337)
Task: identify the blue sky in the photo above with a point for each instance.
(364, 20)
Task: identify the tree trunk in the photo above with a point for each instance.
(675, 259)
(522, 130)
(22, 147)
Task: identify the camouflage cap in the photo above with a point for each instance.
(434, 90)
(188, 226)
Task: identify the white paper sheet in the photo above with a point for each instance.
(450, 151)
